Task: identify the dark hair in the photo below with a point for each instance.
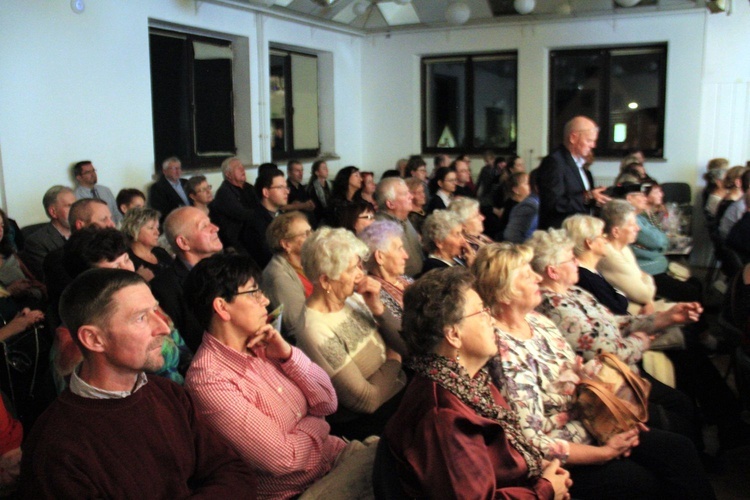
(6, 243)
(432, 303)
(81, 210)
(440, 175)
(88, 298)
(292, 162)
(91, 245)
(438, 159)
(341, 182)
(746, 181)
(78, 167)
(264, 167)
(345, 214)
(514, 180)
(220, 275)
(413, 164)
(193, 183)
(390, 173)
(265, 180)
(125, 196)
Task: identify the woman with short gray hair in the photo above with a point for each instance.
(444, 243)
(472, 221)
(387, 265)
(341, 334)
(141, 229)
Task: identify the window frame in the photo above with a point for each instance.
(293, 154)
(192, 159)
(605, 128)
(469, 119)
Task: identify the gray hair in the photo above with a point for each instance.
(386, 191)
(328, 251)
(464, 208)
(50, 197)
(226, 165)
(135, 219)
(580, 228)
(170, 160)
(548, 248)
(378, 235)
(436, 227)
(615, 213)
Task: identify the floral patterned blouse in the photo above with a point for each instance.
(536, 378)
(588, 326)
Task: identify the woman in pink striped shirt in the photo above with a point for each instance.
(265, 397)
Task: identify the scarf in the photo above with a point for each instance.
(476, 394)
(322, 191)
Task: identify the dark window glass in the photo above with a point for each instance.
(622, 89)
(191, 92)
(469, 103)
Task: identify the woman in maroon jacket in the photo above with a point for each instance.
(453, 435)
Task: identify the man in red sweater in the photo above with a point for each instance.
(116, 432)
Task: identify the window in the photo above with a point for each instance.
(622, 89)
(469, 103)
(294, 104)
(192, 98)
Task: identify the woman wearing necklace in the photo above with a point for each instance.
(342, 335)
(536, 370)
(284, 281)
(454, 435)
(386, 265)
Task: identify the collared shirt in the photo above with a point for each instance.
(271, 413)
(580, 162)
(102, 193)
(447, 199)
(81, 388)
(177, 186)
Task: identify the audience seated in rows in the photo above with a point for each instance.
(170, 191)
(395, 204)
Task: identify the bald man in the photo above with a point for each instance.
(565, 186)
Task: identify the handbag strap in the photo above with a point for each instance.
(617, 408)
(640, 387)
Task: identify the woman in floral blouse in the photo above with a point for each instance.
(537, 371)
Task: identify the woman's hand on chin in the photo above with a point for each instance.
(270, 339)
(369, 289)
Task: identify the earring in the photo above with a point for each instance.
(458, 354)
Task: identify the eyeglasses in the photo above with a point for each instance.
(255, 293)
(304, 233)
(367, 216)
(485, 310)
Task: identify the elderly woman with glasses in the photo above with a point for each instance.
(263, 396)
(141, 229)
(387, 264)
(444, 242)
(284, 281)
(536, 369)
(454, 435)
(341, 333)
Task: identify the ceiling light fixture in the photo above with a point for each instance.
(627, 3)
(325, 3)
(524, 7)
(457, 13)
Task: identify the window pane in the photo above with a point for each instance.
(305, 101)
(278, 102)
(212, 94)
(576, 83)
(445, 113)
(494, 103)
(635, 99)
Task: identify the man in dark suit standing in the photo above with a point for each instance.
(565, 186)
(57, 202)
(170, 191)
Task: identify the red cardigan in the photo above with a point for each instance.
(445, 450)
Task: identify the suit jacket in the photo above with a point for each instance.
(167, 289)
(163, 197)
(435, 203)
(561, 190)
(231, 207)
(253, 236)
(41, 242)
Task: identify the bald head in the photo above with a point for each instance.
(191, 234)
(579, 136)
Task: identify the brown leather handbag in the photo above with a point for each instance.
(613, 401)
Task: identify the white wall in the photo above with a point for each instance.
(77, 86)
(391, 75)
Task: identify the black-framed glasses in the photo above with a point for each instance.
(255, 293)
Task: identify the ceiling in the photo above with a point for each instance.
(383, 16)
